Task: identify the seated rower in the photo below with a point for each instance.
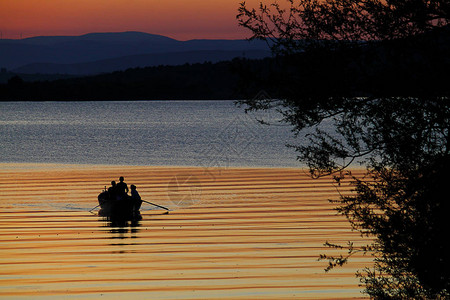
(135, 197)
(112, 191)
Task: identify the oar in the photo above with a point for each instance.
(156, 205)
(94, 208)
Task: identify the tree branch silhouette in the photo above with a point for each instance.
(368, 81)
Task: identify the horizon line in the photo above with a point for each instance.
(20, 36)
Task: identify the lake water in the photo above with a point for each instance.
(234, 231)
(242, 233)
(158, 133)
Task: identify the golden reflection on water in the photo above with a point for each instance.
(250, 234)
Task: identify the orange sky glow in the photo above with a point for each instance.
(179, 19)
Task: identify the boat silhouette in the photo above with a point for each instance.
(119, 207)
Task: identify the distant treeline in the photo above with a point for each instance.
(412, 68)
(196, 81)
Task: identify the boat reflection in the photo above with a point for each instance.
(121, 223)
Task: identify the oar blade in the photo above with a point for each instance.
(157, 205)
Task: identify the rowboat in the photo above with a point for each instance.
(124, 207)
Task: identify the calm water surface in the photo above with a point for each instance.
(233, 233)
(187, 133)
(248, 234)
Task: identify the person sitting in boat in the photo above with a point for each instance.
(122, 188)
(134, 193)
(135, 197)
(112, 191)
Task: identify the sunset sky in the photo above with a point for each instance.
(179, 19)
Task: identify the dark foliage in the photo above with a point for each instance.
(377, 73)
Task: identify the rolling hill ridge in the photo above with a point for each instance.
(96, 53)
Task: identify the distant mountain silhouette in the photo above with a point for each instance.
(412, 67)
(104, 52)
(110, 37)
(134, 61)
